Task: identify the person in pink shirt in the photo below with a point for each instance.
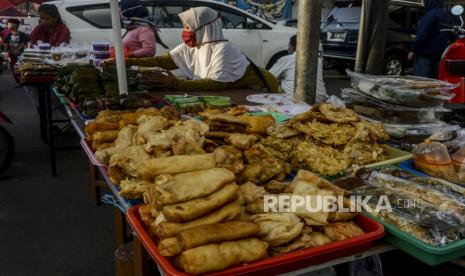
(140, 37)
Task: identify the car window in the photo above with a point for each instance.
(233, 20)
(166, 16)
(398, 16)
(96, 15)
(345, 14)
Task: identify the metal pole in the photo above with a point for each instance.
(362, 47)
(118, 43)
(308, 40)
(378, 30)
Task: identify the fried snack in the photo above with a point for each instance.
(282, 131)
(250, 192)
(170, 113)
(237, 110)
(256, 206)
(262, 166)
(214, 257)
(131, 118)
(278, 228)
(126, 163)
(175, 164)
(133, 189)
(227, 213)
(230, 158)
(276, 187)
(241, 141)
(97, 146)
(207, 234)
(258, 124)
(192, 185)
(338, 115)
(216, 233)
(330, 134)
(323, 160)
(196, 208)
(340, 231)
(108, 136)
(169, 247)
(94, 126)
(316, 181)
(148, 126)
(312, 239)
(146, 215)
(123, 141)
(187, 147)
(338, 216)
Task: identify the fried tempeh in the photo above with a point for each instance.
(192, 185)
(227, 213)
(214, 257)
(193, 209)
(175, 165)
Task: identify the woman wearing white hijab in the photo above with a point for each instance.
(210, 62)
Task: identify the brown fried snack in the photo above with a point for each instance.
(170, 113)
(230, 158)
(333, 134)
(338, 115)
(340, 231)
(241, 141)
(282, 131)
(276, 187)
(261, 166)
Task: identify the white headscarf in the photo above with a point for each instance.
(214, 58)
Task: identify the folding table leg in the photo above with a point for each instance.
(142, 263)
(95, 185)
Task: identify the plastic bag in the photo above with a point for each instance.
(458, 160)
(433, 158)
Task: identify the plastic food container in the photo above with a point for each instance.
(390, 113)
(101, 46)
(90, 154)
(431, 255)
(406, 90)
(274, 265)
(101, 55)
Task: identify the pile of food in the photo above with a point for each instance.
(410, 107)
(36, 69)
(429, 209)
(194, 212)
(327, 140)
(193, 105)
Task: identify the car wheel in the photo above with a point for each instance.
(275, 58)
(394, 65)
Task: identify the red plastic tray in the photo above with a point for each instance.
(274, 265)
(90, 153)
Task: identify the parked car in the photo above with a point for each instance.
(262, 41)
(339, 35)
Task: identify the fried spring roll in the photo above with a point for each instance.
(227, 213)
(214, 257)
(175, 165)
(193, 209)
(188, 186)
(207, 234)
(93, 127)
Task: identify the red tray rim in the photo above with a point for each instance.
(90, 154)
(165, 264)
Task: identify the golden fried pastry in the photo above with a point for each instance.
(170, 113)
(187, 186)
(241, 141)
(148, 126)
(123, 141)
(131, 118)
(338, 115)
(230, 158)
(125, 164)
(133, 189)
(169, 247)
(215, 257)
(258, 124)
(108, 136)
(145, 214)
(250, 192)
(282, 131)
(229, 212)
(193, 209)
(217, 233)
(154, 167)
(333, 134)
(278, 228)
(340, 231)
(276, 187)
(94, 126)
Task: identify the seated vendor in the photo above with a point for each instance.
(209, 61)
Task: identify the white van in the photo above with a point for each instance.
(262, 41)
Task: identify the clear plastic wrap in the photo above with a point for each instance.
(390, 113)
(433, 158)
(405, 90)
(433, 213)
(458, 160)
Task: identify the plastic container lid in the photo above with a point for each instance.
(390, 113)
